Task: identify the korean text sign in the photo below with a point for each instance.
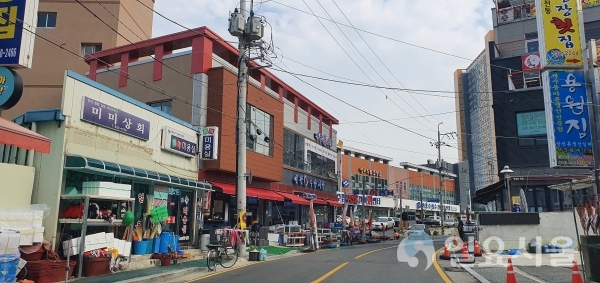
(210, 143)
(560, 39)
(115, 119)
(568, 122)
(16, 44)
(178, 142)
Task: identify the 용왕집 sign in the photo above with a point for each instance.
(103, 115)
(568, 122)
(560, 36)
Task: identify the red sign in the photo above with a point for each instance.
(531, 62)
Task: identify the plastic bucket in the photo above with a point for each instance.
(165, 260)
(149, 246)
(140, 247)
(156, 246)
(8, 267)
(168, 239)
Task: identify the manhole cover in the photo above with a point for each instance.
(453, 269)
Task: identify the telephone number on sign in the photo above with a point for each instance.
(8, 52)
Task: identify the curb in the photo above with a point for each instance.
(165, 275)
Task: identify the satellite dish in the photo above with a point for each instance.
(249, 175)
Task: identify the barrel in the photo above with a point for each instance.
(204, 240)
(140, 247)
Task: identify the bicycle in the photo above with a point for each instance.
(225, 255)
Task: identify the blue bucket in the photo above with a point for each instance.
(140, 247)
(8, 267)
(171, 239)
(150, 245)
(156, 246)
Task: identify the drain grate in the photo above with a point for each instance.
(453, 269)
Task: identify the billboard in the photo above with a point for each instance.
(560, 42)
(567, 119)
(18, 20)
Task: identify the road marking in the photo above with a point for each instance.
(359, 256)
(320, 279)
(439, 269)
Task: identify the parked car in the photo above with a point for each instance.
(450, 223)
(388, 222)
(397, 221)
(433, 221)
(419, 231)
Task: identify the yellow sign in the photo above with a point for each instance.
(516, 200)
(242, 220)
(560, 41)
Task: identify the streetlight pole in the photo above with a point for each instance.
(507, 171)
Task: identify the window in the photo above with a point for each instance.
(293, 149)
(46, 20)
(259, 127)
(532, 46)
(89, 48)
(164, 106)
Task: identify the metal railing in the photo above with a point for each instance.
(523, 80)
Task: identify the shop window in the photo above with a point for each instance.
(46, 20)
(259, 127)
(89, 48)
(164, 106)
(293, 150)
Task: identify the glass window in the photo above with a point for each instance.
(259, 126)
(46, 20)
(89, 48)
(293, 150)
(164, 106)
(532, 46)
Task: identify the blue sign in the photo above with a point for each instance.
(115, 119)
(570, 126)
(341, 197)
(324, 141)
(11, 87)
(435, 206)
(345, 183)
(11, 31)
(178, 142)
(311, 183)
(433, 200)
(210, 141)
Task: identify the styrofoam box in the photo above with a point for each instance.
(26, 237)
(38, 234)
(9, 242)
(109, 192)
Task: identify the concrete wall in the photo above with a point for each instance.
(552, 224)
(17, 182)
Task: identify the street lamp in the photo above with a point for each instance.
(507, 171)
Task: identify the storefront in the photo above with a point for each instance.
(117, 154)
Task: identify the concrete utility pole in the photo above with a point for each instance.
(439, 145)
(247, 32)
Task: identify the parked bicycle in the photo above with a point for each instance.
(223, 253)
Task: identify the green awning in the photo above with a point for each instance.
(80, 163)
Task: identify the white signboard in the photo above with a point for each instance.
(179, 142)
(210, 143)
(319, 149)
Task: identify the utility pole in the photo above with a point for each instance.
(363, 208)
(593, 89)
(439, 145)
(247, 32)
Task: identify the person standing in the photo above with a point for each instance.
(461, 229)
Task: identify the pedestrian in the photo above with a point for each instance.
(396, 235)
(461, 229)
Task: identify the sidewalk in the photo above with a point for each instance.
(529, 268)
(192, 269)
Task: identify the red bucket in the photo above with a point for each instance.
(165, 260)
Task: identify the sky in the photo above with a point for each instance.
(413, 45)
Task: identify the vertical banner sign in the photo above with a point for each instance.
(18, 19)
(559, 33)
(567, 116)
(210, 143)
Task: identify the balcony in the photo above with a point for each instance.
(519, 80)
(510, 11)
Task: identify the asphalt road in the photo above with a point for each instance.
(359, 263)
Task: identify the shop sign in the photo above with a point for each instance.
(320, 150)
(369, 172)
(367, 200)
(341, 197)
(103, 115)
(436, 206)
(560, 36)
(345, 183)
(16, 44)
(312, 183)
(373, 192)
(324, 141)
(178, 142)
(11, 87)
(568, 120)
(210, 143)
(531, 62)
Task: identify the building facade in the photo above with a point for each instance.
(64, 38)
(284, 128)
(499, 100)
(424, 190)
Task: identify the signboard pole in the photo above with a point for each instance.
(593, 90)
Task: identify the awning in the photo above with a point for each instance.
(250, 192)
(487, 194)
(334, 203)
(295, 199)
(319, 201)
(21, 137)
(80, 163)
(575, 185)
